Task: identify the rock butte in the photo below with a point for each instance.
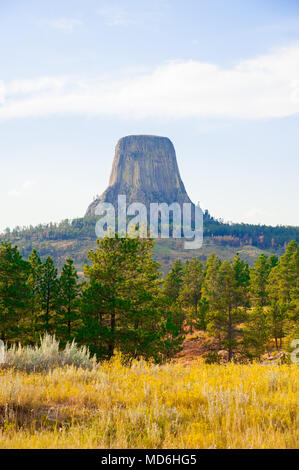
(145, 169)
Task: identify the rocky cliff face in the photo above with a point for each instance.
(145, 169)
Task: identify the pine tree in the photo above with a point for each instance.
(256, 334)
(48, 296)
(122, 306)
(276, 315)
(172, 286)
(173, 281)
(14, 293)
(210, 284)
(283, 291)
(95, 331)
(190, 295)
(258, 280)
(34, 284)
(288, 275)
(69, 289)
(273, 261)
(242, 279)
(225, 314)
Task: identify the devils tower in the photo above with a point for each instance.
(145, 169)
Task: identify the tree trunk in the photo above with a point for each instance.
(47, 315)
(230, 351)
(112, 329)
(69, 321)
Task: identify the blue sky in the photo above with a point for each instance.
(219, 78)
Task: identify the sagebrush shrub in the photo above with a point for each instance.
(47, 355)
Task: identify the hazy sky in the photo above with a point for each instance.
(219, 78)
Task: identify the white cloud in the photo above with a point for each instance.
(263, 87)
(28, 184)
(14, 192)
(23, 87)
(115, 15)
(66, 25)
(287, 25)
(2, 91)
(23, 188)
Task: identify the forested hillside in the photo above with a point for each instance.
(124, 305)
(73, 238)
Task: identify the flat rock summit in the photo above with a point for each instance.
(145, 169)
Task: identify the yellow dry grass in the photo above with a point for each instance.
(149, 406)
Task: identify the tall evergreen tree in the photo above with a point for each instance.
(34, 284)
(172, 286)
(288, 275)
(210, 284)
(49, 295)
(256, 333)
(190, 295)
(14, 293)
(283, 290)
(258, 280)
(225, 314)
(242, 280)
(173, 281)
(273, 261)
(277, 321)
(68, 312)
(122, 305)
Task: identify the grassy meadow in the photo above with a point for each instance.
(176, 405)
